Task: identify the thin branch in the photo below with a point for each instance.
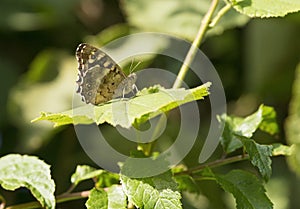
(196, 43)
(213, 164)
(220, 14)
(59, 199)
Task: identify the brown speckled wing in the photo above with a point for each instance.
(98, 75)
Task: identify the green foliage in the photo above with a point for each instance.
(181, 18)
(116, 197)
(84, 172)
(97, 199)
(30, 172)
(265, 8)
(264, 118)
(246, 189)
(117, 191)
(259, 156)
(145, 106)
(152, 193)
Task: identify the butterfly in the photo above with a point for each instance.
(100, 78)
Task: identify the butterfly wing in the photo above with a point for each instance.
(98, 75)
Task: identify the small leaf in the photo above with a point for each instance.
(246, 189)
(264, 118)
(186, 183)
(116, 197)
(97, 199)
(125, 113)
(30, 172)
(259, 156)
(84, 172)
(280, 149)
(269, 123)
(266, 8)
(228, 140)
(152, 193)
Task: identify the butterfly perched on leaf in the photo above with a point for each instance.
(100, 79)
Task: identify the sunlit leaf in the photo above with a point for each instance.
(97, 199)
(84, 172)
(30, 172)
(116, 197)
(264, 119)
(146, 105)
(152, 193)
(266, 8)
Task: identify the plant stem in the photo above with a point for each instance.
(196, 43)
(220, 14)
(59, 199)
(216, 163)
(188, 60)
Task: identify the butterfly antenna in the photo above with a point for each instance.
(131, 71)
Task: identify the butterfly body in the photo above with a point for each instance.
(100, 79)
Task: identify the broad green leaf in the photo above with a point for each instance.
(84, 172)
(146, 105)
(177, 17)
(292, 124)
(152, 193)
(246, 189)
(30, 172)
(259, 156)
(266, 8)
(116, 197)
(97, 199)
(264, 118)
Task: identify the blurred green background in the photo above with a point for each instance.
(255, 58)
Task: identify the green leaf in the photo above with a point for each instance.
(97, 199)
(104, 178)
(228, 140)
(116, 197)
(187, 183)
(143, 107)
(181, 18)
(152, 193)
(259, 156)
(266, 8)
(84, 172)
(280, 149)
(246, 189)
(30, 172)
(264, 118)
(269, 123)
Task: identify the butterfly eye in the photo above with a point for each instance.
(88, 85)
(90, 93)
